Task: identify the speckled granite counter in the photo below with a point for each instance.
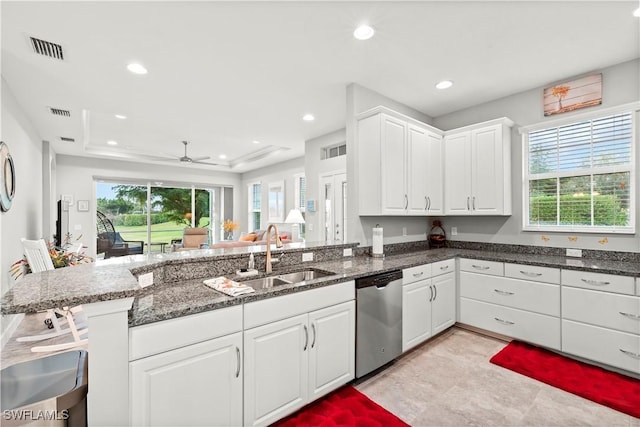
(171, 297)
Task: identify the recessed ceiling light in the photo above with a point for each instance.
(256, 141)
(222, 156)
(136, 68)
(636, 13)
(112, 142)
(308, 118)
(120, 116)
(363, 32)
(445, 84)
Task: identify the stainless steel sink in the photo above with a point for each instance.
(286, 278)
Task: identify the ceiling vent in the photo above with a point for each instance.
(67, 139)
(59, 112)
(45, 48)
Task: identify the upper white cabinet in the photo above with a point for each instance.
(399, 165)
(477, 169)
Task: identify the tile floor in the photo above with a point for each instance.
(449, 382)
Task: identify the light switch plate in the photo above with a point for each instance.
(347, 252)
(307, 256)
(574, 252)
(145, 280)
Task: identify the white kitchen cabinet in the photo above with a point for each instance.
(477, 173)
(196, 385)
(428, 303)
(399, 165)
(292, 361)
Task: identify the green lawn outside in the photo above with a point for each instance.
(160, 233)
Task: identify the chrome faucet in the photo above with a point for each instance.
(268, 260)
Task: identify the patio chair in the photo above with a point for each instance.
(111, 243)
(192, 238)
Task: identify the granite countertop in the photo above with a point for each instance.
(111, 280)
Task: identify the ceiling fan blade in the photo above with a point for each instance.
(197, 159)
(206, 163)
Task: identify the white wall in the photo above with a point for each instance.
(621, 85)
(359, 229)
(315, 167)
(25, 217)
(279, 172)
(76, 177)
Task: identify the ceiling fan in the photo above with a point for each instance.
(199, 160)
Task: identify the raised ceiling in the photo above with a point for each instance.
(224, 74)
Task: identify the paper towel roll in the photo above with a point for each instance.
(377, 241)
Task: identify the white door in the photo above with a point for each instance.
(487, 171)
(434, 177)
(443, 306)
(332, 356)
(275, 370)
(416, 313)
(393, 166)
(418, 171)
(333, 189)
(197, 385)
(457, 174)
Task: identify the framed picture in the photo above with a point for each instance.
(573, 95)
(276, 201)
(83, 206)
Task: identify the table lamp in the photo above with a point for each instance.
(295, 217)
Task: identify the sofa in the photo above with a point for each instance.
(255, 238)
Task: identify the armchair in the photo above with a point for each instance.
(192, 238)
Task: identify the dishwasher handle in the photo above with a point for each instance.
(379, 280)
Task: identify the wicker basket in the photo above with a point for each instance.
(437, 235)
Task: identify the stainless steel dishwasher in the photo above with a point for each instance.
(378, 320)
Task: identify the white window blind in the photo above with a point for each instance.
(255, 206)
(580, 176)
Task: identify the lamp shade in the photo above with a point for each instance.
(294, 217)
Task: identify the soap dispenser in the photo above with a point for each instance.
(252, 263)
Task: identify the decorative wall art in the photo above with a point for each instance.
(569, 96)
(7, 178)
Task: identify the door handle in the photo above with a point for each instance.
(313, 327)
(435, 292)
(430, 293)
(467, 203)
(406, 201)
(238, 362)
(426, 203)
(474, 203)
(306, 338)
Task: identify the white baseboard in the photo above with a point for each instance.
(9, 325)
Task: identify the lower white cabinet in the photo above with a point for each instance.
(291, 362)
(196, 385)
(428, 307)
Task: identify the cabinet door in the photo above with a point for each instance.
(443, 305)
(417, 170)
(434, 176)
(197, 385)
(394, 195)
(487, 171)
(275, 370)
(332, 348)
(416, 313)
(457, 174)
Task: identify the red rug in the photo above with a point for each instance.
(608, 388)
(343, 407)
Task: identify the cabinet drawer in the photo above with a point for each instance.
(523, 294)
(532, 272)
(638, 286)
(167, 335)
(605, 309)
(413, 274)
(599, 281)
(531, 327)
(443, 267)
(602, 345)
(484, 267)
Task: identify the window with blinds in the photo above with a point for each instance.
(580, 176)
(255, 206)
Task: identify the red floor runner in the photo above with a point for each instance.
(591, 382)
(344, 407)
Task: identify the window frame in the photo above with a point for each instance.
(251, 211)
(632, 108)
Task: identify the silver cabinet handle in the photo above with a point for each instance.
(444, 267)
(504, 322)
(406, 201)
(530, 273)
(238, 362)
(503, 292)
(306, 338)
(480, 267)
(435, 292)
(467, 203)
(630, 315)
(430, 293)
(630, 353)
(313, 327)
(595, 282)
(474, 203)
(426, 203)
(418, 274)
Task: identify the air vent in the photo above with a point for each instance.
(45, 48)
(59, 112)
(334, 151)
(67, 139)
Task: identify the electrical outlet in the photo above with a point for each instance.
(310, 227)
(404, 231)
(454, 231)
(347, 252)
(574, 252)
(145, 280)
(307, 256)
